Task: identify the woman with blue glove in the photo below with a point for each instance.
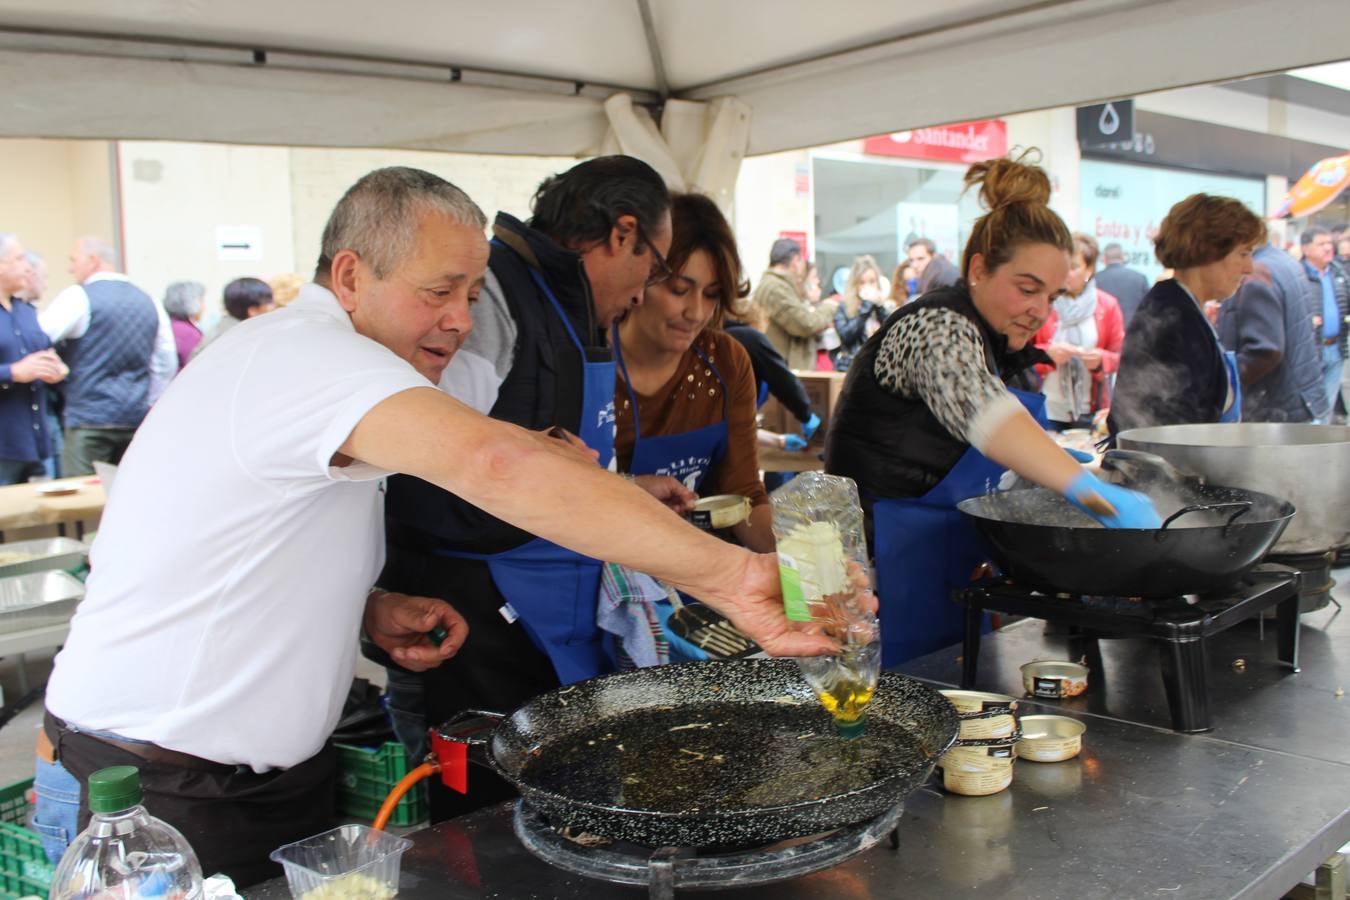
(926, 418)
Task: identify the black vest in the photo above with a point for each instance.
(543, 388)
(894, 446)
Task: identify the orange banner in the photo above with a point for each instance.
(1319, 186)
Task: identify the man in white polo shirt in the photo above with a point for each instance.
(234, 563)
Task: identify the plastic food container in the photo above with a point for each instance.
(983, 715)
(348, 861)
(720, 511)
(1050, 738)
(1054, 678)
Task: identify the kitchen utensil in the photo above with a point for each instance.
(709, 754)
(1207, 541)
(1309, 465)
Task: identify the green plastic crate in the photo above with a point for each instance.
(366, 776)
(24, 869)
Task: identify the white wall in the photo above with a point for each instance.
(767, 202)
(174, 195)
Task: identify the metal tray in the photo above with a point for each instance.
(37, 600)
(46, 554)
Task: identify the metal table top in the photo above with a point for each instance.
(1142, 812)
(1244, 812)
(1262, 704)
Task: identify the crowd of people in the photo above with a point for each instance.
(431, 437)
(83, 368)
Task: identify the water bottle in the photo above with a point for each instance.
(125, 852)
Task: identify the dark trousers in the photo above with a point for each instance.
(86, 446)
(17, 471)
(232, 816)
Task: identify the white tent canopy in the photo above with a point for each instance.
(531, 76)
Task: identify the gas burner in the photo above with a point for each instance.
(667, 868)
(1179, 624)
(1315, 581)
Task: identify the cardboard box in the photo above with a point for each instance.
(823, 388)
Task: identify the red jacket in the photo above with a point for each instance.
(1110, 337)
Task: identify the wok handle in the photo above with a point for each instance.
(1240, 507)
(1141, 467)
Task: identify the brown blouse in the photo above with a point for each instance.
(691, 399)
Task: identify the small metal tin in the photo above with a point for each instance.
(977, 784)
(1054, 678)
(720, 511)
(983, 715)
(1050, 738)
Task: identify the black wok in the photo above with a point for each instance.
(1211, 537)
(711, 754)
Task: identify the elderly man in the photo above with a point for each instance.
(1120, 281)
(218, 655)
(26, 362)
(1326, 288)
(793, 321)
(539, 357)
(121, 354)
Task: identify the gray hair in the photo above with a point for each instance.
(1113, 252)
(378, 217)
(34, 259)
(183, 299)
(97, 246)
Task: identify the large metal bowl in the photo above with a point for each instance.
(1308, 465)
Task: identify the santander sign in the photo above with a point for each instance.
(967, 142)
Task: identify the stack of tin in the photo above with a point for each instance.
(981, 760)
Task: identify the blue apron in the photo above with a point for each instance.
(924, 548)
(688, 456)
(553, 590)
(1233, 413)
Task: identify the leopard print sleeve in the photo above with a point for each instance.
(937, 355)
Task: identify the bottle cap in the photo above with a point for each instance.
(850, 730)
(114, 789)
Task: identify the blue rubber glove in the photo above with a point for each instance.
(1081, 456)
(810, 425)
(794, 442)
(1132, 509)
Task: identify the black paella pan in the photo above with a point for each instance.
(710, 754)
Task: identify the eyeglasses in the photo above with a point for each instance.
(660, 268)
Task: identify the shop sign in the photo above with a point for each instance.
(1106, 123)
(1124, 204)
(967, 142)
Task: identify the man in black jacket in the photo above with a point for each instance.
(1327, 294)
(554, 286)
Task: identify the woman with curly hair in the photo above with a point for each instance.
(1173, 370)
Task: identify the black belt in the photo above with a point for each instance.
(148, 752)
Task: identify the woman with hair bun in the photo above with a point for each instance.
(1173, 371)
(926, 418)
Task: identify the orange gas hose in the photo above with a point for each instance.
(405, 784)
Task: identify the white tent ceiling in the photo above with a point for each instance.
(529, 76)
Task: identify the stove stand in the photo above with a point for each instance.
(1315, 581)
(667, 868)
(1180, 625)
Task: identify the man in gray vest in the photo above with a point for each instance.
(120, 349)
